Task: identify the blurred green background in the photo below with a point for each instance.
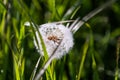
(95, 55)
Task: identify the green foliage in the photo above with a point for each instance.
(93, 54)
(85, 48)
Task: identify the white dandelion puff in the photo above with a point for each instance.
(52, 35)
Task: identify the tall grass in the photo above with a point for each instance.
(93, 54)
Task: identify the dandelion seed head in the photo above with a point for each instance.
(55, 35)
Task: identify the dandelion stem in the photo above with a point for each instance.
(41, 72)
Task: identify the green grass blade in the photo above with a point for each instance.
(16, 68)
(23, 69)
(35, 69)
(36, 28)
(92, 52)
(94, 67)
(2, 6)
(85, 48)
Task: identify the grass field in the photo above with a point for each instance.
(96, 50)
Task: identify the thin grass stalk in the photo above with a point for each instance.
(92, 52)
(35, 69)
(94, 67)
(117, 59)
(90, 15)
(85, 48)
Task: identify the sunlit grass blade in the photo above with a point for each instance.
(22, 68)
(19, 65)
(48, 73)
(16, 68)
(3, 23)
(15, 28)
(53, 70)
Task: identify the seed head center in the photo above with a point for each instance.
(55, 39)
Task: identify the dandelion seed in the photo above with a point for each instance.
(52, 35)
